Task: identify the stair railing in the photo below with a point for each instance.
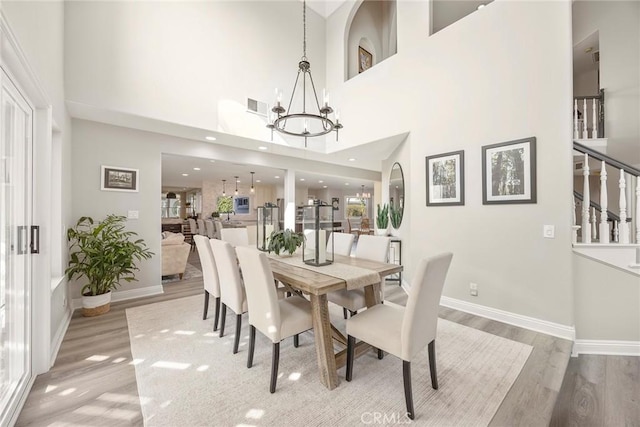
(625, 228)
(588, 113)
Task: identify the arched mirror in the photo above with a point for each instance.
(396, 195)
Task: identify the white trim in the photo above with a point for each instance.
(57, 281)
(606, 347)
(125, 295)
(538, 325)
(13, 418)
(56, 342)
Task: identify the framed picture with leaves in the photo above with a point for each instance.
(509, 172)
(445, 179)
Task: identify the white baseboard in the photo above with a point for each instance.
(56, 342)
(538, 325)
(126, 295)
(606, 347)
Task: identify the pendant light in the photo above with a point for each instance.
(224, 193)
(236, 184)
(253, 190)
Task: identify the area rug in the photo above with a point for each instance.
(190, 272)
(188, 376)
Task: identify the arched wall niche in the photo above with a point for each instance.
(372, 26)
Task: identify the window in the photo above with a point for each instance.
(356, 207)
(171, 207)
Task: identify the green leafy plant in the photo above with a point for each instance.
(382, 218)
(284, 240)
(104, 253)
(395, 215)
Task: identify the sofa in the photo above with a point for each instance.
(175, 253)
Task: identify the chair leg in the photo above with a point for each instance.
(223, 317)
(181, 275)
(408, 395)
(432, 364)
(380, 354)
(351, 344)
(296, 340)
(215, 321)
(236, 341)
(275, 360)
(252, 344)
(344, 313)
(206, 305)
(353, 312)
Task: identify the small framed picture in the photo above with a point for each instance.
(445, 179)
(365, 59)
(335, 202)
(115, 178)
(509, 172)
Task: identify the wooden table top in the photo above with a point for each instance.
(317, 283)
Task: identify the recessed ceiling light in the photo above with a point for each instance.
(257, 180)
(346, 183)
(352, 159)
(185, 174)
(301, 179)
(196, 169)
(262, 147)
(210, 138)
(320, 181)
(212, 161)
(276, 177)
(480, 6)
(324, 186)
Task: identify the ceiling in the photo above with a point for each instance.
(174, 166)
(583, 54)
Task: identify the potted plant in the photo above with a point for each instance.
(105, 254)
(284, 240)
(382, 220)
(395, 215)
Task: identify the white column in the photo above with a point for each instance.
(637, 210)
(604, 225)
(624, 227)
(586, 201)
(290, 199)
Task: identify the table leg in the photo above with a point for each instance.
(372, 295)
(323, 340)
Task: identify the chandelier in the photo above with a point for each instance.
(363, 195)
(305, 124)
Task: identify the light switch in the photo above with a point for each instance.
(549, 231)
(132, 215)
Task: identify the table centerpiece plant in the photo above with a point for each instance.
(284, 241)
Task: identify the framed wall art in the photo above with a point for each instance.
(115, 178)
(365, 59)
(509, 172)
(445, 179)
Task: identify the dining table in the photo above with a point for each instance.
(317, 282)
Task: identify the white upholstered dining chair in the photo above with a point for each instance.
(210, 228)
(401, 331)
(276, 319)
(341, 243)
(232, 293)
(202, 228)
(252, 235)
(209, 277)
(375, 248)
(235, 236)
(193, 226)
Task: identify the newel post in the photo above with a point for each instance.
(624, 226)
(586, 202)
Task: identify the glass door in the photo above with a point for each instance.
(16, 133)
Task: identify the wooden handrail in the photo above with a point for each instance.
(603, 157)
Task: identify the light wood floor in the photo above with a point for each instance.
(93, 381)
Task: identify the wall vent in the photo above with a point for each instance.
(579, 166)
(596, 56)
(257, 107)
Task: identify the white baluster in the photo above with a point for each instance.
(594, 228)
(616, 232)
(585, 133)
(575, 227)
(575, 119)
(586, 201)
(604, 225)
(624, 227)
(594, 126)
(637, 209)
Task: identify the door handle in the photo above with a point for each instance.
(35, 239)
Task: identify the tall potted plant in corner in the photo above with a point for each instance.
(382, 220)
(105, 254)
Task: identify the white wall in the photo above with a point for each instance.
(192, 63)
(450, 92)
(618, 26)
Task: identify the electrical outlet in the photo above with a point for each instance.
(473, 289)
(132, 214)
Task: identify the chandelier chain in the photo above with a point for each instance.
(304, 29)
